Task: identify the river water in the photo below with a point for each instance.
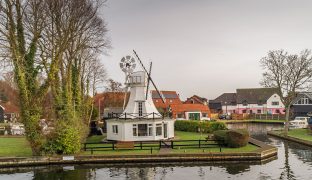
(294, 162)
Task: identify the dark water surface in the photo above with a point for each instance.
(294, 162)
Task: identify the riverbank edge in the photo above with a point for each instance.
(262, 154)
(250, 121)
(289, 138)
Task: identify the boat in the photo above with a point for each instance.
(299, 122)
(310, 123)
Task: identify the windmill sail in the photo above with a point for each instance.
(149, 77)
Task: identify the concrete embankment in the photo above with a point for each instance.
(293, 139)
(264, 153)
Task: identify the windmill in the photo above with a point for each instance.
(127, 65)
(149, 78)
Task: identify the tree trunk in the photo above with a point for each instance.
(286, 127)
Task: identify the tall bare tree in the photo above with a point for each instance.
(47, 42)
(289, 73)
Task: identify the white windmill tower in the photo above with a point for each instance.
(140, 119)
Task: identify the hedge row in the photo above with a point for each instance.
(198, 126)
(233, 138)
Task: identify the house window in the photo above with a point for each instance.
(204, 114)
(158, 129)
(150, 129)
(277, 111)
(275, 103)
(140, 108)
(115, 129)
(244, 111)
(180, 115)
(135, 130)
(304, 101)
(259, 111)
(233, 111)
(142, 129)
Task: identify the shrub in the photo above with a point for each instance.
(197, 126)
(232, 138)
(237, 138)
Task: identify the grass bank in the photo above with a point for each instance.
(14, 147)
(303, 134)
(253, 121)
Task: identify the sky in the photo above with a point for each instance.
(204, 47)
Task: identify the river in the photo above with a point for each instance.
(294, 162)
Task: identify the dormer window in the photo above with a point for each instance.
(245, 103)
(304, 101)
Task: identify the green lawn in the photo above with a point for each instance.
(304, 134)
(247, 148)
(179, 135)
(14, 146)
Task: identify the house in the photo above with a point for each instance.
(110, 102)
(190, 112)
(8, 112)
(259, 101)
(225, 103)
(170, 98)
(302, 104)
(1, 114)
(249, 101)
(196, 100)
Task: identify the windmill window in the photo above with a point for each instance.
(135, 130)
(158, 129)
(150, 129)
(140, 108)
(142, 129)
(115, 129)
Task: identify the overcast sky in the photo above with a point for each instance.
(205, 47)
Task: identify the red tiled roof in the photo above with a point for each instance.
(109, 99)
(10, 108)
(189, 107)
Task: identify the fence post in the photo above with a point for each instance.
(151, 150)
(141, 144)
(159, 144)
(85, 146)
(113, 145)
(199, 143)
(153, 115)
(171, 144)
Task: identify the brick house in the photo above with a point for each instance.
(195, 110)
(109, 102)
(196, 100)
(9, 112)
(190, 112)
(171, 98)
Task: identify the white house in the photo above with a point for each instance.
(140, 121)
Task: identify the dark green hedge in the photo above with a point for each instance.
(233, 138)
(198, 126)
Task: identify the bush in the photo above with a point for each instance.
(198, 126)
(66, 139)
(237, 138)
(232, 138)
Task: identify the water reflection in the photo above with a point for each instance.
(294, 162)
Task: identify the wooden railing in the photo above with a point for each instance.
(135, 115)
(150, 145)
